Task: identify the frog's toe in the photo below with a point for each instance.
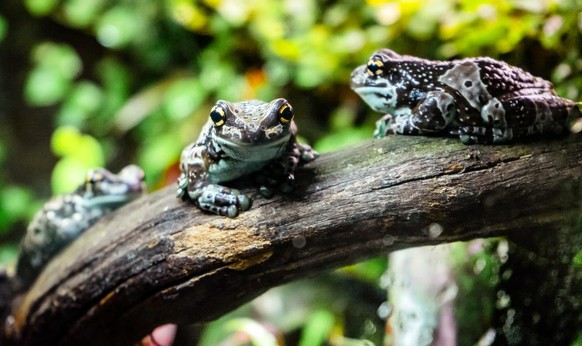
(244, 202)
(180, 192)
(266, 191)
(384, 126)
(466, 139)
(219, 199)
(222, 200)
(232, 211)
(288, 184)
(474, 134)
(307, 153)
(286, 188)
(182, 186)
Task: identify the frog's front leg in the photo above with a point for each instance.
(281, 173)
(211, 197)
(194, 184)
(220, 200)
(384, 126)
(433, 113)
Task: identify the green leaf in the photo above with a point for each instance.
(217, 73)
(343, 139)
(65, 140)
(40, 7)
(82, 13)
(45, 87)
(79, 152)
(183, 97)
(141, 105)
(85, 100)
(3, 28)
(259, 335)
(50, 79)
(8, 253)
(115, 79)
(69, 143)
(61, 58)
(67, 175)
(158, 153)
(15, 202)
(317, 328)
(279, 72)
(120, 26)
(370, 271)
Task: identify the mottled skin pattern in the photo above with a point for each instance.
(63, 218)
(479, 99)
(240, 139)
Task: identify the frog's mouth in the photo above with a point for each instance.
(253, 152)
(117, 194)
(112, 201)
(377, 93)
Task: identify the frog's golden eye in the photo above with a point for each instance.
(375, 66)
(217, 115)
(93, 178)
(285, 114)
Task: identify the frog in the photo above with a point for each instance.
(65, 217)
(480, 100)
(252, 138)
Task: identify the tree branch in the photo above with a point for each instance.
(162, 260)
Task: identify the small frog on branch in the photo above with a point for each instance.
(242, 138)
(63, 218)
(480, 100)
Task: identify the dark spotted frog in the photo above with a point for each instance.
(481, 100)
(63, 218)
(241, 139)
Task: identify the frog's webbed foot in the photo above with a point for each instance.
(280, 174)
(182, 190)
(220, 200)
(306, 153)
(384, 126)
(276, 177)
(433, 114)
(213, 198)
(485, 135)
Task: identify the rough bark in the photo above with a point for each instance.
(162, 260)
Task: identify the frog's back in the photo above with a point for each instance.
(506, 81)
(500, 79)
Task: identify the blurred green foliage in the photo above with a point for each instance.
(132, 81)
(3, 28)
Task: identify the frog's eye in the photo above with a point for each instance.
(285, 113)
(94, 178)
(375, 66)
(217, 115)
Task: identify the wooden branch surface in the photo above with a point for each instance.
(162, 260)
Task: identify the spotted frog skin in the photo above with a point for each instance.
(63, 218)
(479, 99)
(243, 138)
